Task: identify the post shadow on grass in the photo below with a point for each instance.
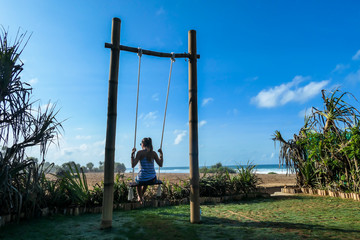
(270, 199)
(288, 226)
(274, 225)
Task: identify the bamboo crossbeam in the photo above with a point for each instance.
(151, 53)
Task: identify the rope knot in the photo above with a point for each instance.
(139, 52)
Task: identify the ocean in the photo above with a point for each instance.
(261, 168)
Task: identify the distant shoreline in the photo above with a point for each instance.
(266, 180)
(259, 169)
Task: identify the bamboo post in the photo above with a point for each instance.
(193, 131)
(107, 210)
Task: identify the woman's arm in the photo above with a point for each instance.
(134, 160)
(161, 160)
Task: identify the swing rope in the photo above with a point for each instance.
(137, 102)
(167, 98)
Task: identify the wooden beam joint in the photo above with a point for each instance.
(151, 53)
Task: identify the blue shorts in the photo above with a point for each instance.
(149, 182)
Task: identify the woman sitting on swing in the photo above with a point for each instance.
(147, 174)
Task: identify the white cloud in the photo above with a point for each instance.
(149, 119)
(150, 116)
(83, 147)
(81, 153)
(340, 68)
(288, 92)
(160, 11)
(252, 79)
(353, 77)
(155, 97)
(206, 101)
(67, 151)
(233, 111)
(79, 137)
(356, 56)
(202, 123)
(309, 91)
(180, 134)
(272, 155)
(102, 153)
(100, 143)
(33, 81)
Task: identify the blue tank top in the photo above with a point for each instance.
(147, 170)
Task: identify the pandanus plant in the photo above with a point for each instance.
(337, 114)
(21, 127)
(320, 154)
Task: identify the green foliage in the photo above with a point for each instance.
(217, 168)
(120, 189)
(326, 152)
(21, 126)
(55, 196)
(96, 195)
(90, 166)
(101, 166)
(74, 184)
(245, 180)
(173, 191)
(119, 167)
(216, 185)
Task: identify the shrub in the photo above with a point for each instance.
(74, 184)
(174, 191)
(217, 168)
(120, 189)
(245, 180)
(215, 185)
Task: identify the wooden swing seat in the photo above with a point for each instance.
(135, 184)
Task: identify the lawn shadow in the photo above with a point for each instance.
(181, 215)
(267, 199)
(273, 225)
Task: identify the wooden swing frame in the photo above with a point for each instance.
(192, 56)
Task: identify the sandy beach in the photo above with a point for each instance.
(266, 180)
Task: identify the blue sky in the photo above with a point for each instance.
(262, 65)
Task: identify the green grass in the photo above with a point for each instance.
(295, 217)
